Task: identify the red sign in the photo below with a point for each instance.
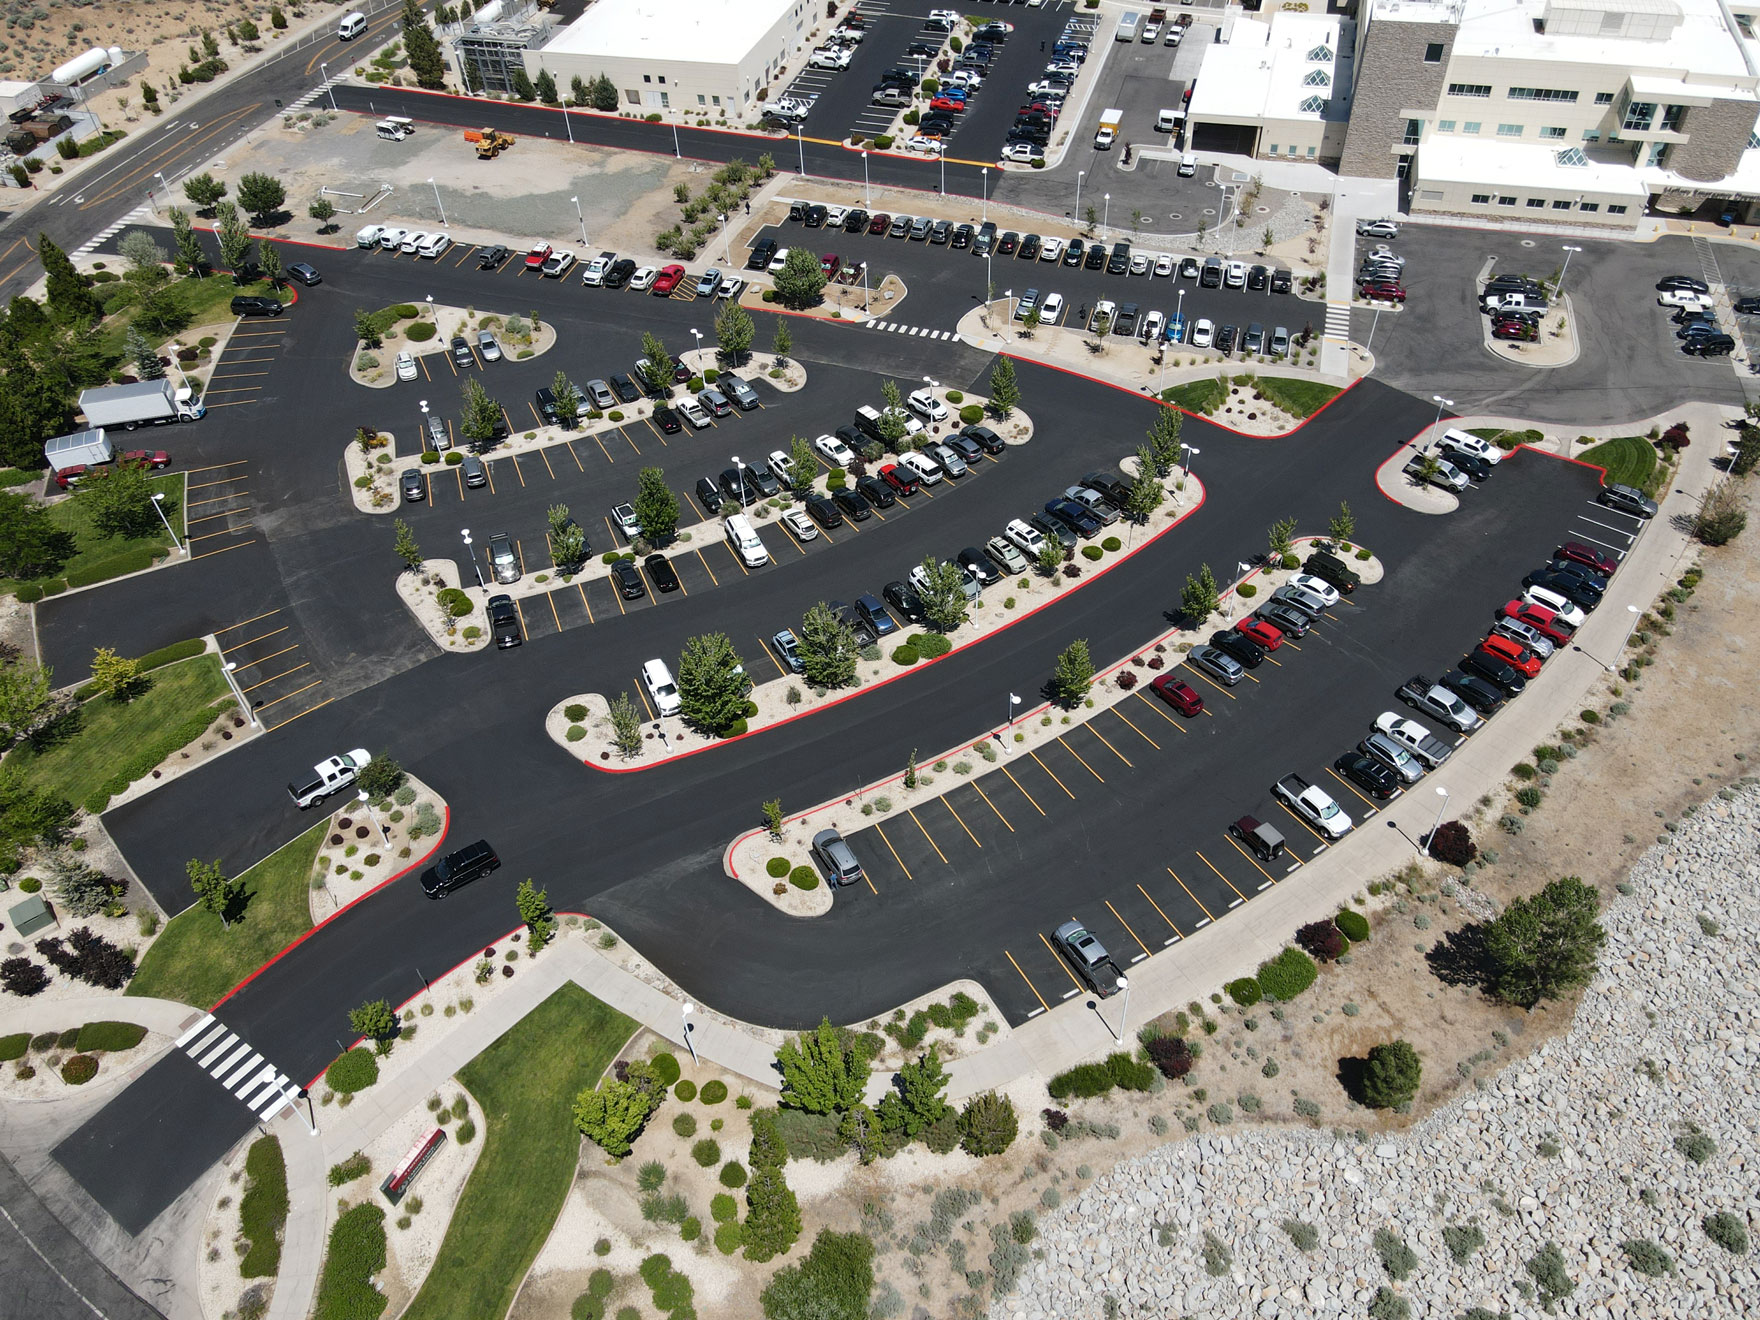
(405, 1173)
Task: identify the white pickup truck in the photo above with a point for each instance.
(1313, 805)
(331, 775)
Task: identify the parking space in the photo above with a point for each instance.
(245, 364)
(273, 668)
(217, 508)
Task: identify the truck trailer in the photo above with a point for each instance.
(144, 403)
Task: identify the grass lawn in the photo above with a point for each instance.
(1199, 396)
(1507, 439)
(526, 1083)
(97, 558)
(1630, 460)
(195, 961)
(1298, 398)
(205, 301)
(108, 734)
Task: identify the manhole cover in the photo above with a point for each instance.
(1209, 210)
(1262, 210)
(1210, 183)
(1528, 242)
(1175, 215)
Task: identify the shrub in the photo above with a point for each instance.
(731, 1236)
(1171, 1055)
(1453, 843)
(804, 877)
(684, 1124)
(651, 1175)
(713, 1092)
(1080, 1082)
(355, 1166)
(14, 1047)
(1323, 939)
(353, 1070)
(1727, 1231)
(988, 1125)
(1392, 1076)
(1287, 975)
(971, 414)
(665, 1066)
(1245, 991)
(79, 1070)
(1112, 545)
(733, 1174)
(1246, 591)
(1647, 1257)
(262, 1212)
(707, 1152)
(1386, 1304)
(1092, 553)
(1354, 925)
(99, 1037)
(418, 333)
(1397, 1258)
(905, 655)
(1696, 1146)
(455, 602)
(1462, 1240)
(356, 1254)
(1129, 1074)
(932, 646)
(685, 1090)
(776, 867)
(21, 976)
(1304, 1236)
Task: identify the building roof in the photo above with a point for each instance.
(678, 31)
(1292, 67)
(1449, 158)
(1668, 35)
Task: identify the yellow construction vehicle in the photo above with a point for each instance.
(489, 142)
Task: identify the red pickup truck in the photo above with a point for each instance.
(153, 458)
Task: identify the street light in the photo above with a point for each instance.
(1106, 214)
(986, 192)
(1124, 987)
(685, 1012)
(800, 144)
(431, 313)
(473, 558)
(1569, 252)
(867, 197)
(582, 217)
(1611, 668)
(325, 70)
(699, 338)
(1080, 175)
(230, 668)
(1013, 701)
(159, 506)
(726, 242)
(366, 801)
(1441, 403)
(1442, 793)
(677, 154)
(740, 471)
(437, 202)
(1187, 454)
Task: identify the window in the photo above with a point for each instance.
(663, 80)
(1321, 54)
(1509, 130)
(701, 99)
(1433, 53)
(1503, 200)
(1414, 131)
(666, 100)
(1570, 156)
(1551, 132)
(1753, 141)
(1274, 148)
(1535, 203)
(1471, 126)
(1445, 125)
(1588, 206)
(1481, 199)
(1469, 89)
(1430, 194)
(1639, 116)
(632, 95)
(1561, 206)
(1616, 210)
(1310, 152)
(1591, 135)
(1317, 78)
(647, 77)
(1314, 105)
(1603, 98)
(715, 100)
(1541, 94)
(1672, 118)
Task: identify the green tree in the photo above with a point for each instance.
(80, 890)
(613, 1114)
(1280, 537)
(380, 777)
(782, 342)
(577, 91)
(522, 85)
(803, 464)
(205, 191)
(261, 195)
(1747, 453)
(1721, 517)
(1391, 1076)
(822, 1073)
(69, 294)
(626, 726)
(118, 498)
(269, 262)
(1100, 327)
(366, 328)
(863, 1131)
(146, 358)
(116, 676)
(277, 18)
(801, 280)
(24, 698)
(988, 1125)
(942, 594)
(214, 892)
(481, 413)
(773, 1215)
(1146, 491)
(922, 1086)
(30, 544)
(568, 400)
(1005, 390)
(659, 362)
(832, 1283)
(1343, 525)
(1425, 468)
(734, 332)
(1540, 947)
(711, 684)
(473, 76)
(1074, 673)
(376, 1021)
(546, 88)
(1164, 438)
(568, 543)
(150, 97)
(656, 507)
(323, 211)
(828, 649)
(146, 259)
(1031, 320)
(1050, 557)
(534, 909)
(1199, 599)
(158, 311)
(603, 93)
(235, 240)
(425, 58)
(405, 546)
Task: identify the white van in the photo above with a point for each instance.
(1188, 165)
(743, 537)
(369, 237)
(1170, 121)
(352, 25)
(391, 131)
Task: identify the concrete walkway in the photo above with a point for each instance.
(1352, 200)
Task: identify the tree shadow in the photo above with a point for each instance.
(1461, 957)
(59, 728)
(1351, 1072)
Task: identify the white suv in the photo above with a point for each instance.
(657, 678)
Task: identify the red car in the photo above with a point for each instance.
(948, 103)
(1269, 636)
(1587, 555)
(1178, 694)
(153, 458)
(1512, 653)
(880, 223)
(1520, 331)
(1540, 619)
(667, 280)
(830, 263)
(536, 258)
(901, 479)
(1383, 290)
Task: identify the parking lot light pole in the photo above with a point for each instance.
(1124, 988)
(441, 206)
(1612, 666)
(1013, 701)
(986, 192)
(1187, 454)
(325, 70)
(582, 217)
(1080, 175)
(677, 154)
(366, 802)
(473, 556)
(1441, 403)
(689, 1044)
(159, 507)
(1570, 250)
(1106, 214)
(740, 469)
(726, 242)
(941, 155)
(864, 288)
(698, 334)
(800, 144)
(230, 669)
(1442, 806)
(867, 196)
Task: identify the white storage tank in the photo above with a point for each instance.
(84, 67)
(117, 55)
(488, 13)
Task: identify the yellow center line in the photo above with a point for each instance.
(291, 718)
(1250, 858)
(1028, 796)
(992, 806)
(880, 830)
(241, 623)
(1127, 925)
(1059, 961)
(1054, 778)
(1225, 879)
(1189, 894)
(1030, 985)
(239, 646)
(911, 811)
(265, 659)
(306, 664)
(1109, 747)
(1145, 737)
(1163, 714)
(1090, 769)
(967, 828)
(1152, 903)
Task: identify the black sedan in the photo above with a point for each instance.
(625, 387)
(987, 440)
(854, 503)
(629, 579)
(709, 495)
(824, 512)
(1240, 646)
(1368, 774)
(661, 572)
(978, 565)
(1497, 670)
(668, 421)
(905, 600)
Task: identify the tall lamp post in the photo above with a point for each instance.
(691, 1045)
(325, 70)
(582, 217)
(677, 154)
(159, 508)
(986, 192)
(1612, 666)
(1570, 250)
(726, 240)
(698, 335)
(366, 801)
(1080, 175)
(1124, 988)
(1441, 403)
(1013, 701)
(1442, 806)
(867, 196)
(437, 202)
(1106, 214)
(1187, 454)
(473, 557)
(230, 668)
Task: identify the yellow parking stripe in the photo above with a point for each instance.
(1302, 820)
(1109, 747)
(992, 806)
(1163, 714)
(1054, 778)
(1353, 788)
(578, 587)
(1208, 917)
(1225, 880)
(1250, 858)
(911, 812)
(1152, 903)
(1200, 673)
(1028, 980)
(1127, 925)
(962, 824)
(1114, 710)
(1090, 769)
(1028, 796)
(1059, 961)
(711, 572)
(881, 831)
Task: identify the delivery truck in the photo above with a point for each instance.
(72, 456)
(144, 403)
(1107, 133)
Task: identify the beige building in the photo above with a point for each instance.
(711, 56)
(1275, 88)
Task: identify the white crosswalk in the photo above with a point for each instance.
(140, 215)
(294, 107)
(913, 330)
(1338, 321)
(219, 1052)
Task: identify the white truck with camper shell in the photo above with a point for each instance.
(329, 776)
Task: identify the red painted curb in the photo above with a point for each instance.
(445, 825)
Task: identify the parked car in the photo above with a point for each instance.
(1369, 774)
(662, 690)
(1219, 665)
(1237, 644)
(629, 581)
(788, 650)
(1084, 952)
(1394, 755)
(413, 484)
(977, 563)
(1179, 694)
(1628, 499)
(1006, 554)
(836, 857)
(904, 599)
(1483, 696)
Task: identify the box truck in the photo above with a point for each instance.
(144, 403)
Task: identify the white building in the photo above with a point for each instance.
(691, 55)
(1277, 88)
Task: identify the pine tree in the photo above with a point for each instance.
(604, 93)
(656, 507)
(1146, 492)
(214, 892)
(1074, 674)
(734, 332)
(190, 256)
(801, 280)
(1540, 947)
(1199, 598)
(235, 240)
(146, 358)
(1343, 525)
(69, 296)
(1005, 391)
(943, 597)
(820, 1073)
(659, 362)
(425, 59)
(922, 1086)
(712, 685)
(481, 413)
(534, 909)
(1392, 1075)
(827, 648)
(406, 547)
(1164, 438)
(546, 88)
(1280, 537)
(782, 343)
(803, 465)
(522, 84)
(577, 90)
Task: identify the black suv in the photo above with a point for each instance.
(458, 869)
(1240, 646)
(761, 254)
(623, 268)
(504, 622)
(1334, 570)
(1119, 263)
(246, 305)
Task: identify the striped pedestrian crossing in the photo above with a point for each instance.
(1338, 321)
(140, 215)
(915, 331)
(305, 100)
(223, 1055)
